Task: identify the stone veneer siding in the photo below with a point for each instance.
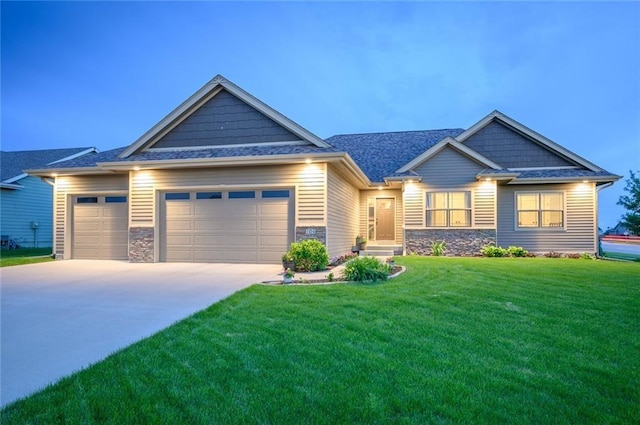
(311, 232)
(459, 242)
(141, 241)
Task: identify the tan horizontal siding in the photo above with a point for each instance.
(309, 180)
(579, 234)
(342, 213)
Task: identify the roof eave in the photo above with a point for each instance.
(577, 179)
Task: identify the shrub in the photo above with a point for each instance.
(438, 248)
(366, 269)
(586, 256)
(309, 255)
(517, 251)
(552, 254)
(494, 251)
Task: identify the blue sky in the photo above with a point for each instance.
(101, 74)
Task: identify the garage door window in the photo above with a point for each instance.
(87, 200)
(115, 199)
(275, 193)
(209, 195)
(176, 196)
(242, 195)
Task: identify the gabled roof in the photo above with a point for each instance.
(448, 142)
(379, 155)
(199, 98)
(13, 163)
(536, 137)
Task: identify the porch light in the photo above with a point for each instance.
(410, 181)
(307, 161)
(54, 175)
(136, 168)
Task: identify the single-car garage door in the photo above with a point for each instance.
(100, 227)
(243, 226)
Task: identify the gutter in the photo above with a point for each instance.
(598, 189)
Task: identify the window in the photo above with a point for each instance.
(115, 199)
(87, 200)
(242, 195)
(275, 193)
(540, 209)
(448, 209)
(176, 196)
(209, 195)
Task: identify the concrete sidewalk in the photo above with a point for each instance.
(59, 317)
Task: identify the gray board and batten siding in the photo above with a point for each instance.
(507, 147)
(225, 120)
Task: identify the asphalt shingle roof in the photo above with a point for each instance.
(13, 163)
(379, 155)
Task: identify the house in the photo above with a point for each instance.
(26, 202)
(226, 178)
(619, 229)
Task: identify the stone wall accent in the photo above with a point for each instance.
(459, 242)
(311, 232)
(141, 244)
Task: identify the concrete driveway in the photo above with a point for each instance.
(61, 316)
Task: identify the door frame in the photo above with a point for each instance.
(373, 230)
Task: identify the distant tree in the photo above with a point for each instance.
(631, 202)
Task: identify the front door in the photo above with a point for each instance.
(385, 219)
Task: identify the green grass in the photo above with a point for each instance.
(17, 257)
(453, 340)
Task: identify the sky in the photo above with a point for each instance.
(101, 74)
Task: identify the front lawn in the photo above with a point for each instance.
(452, 340)
(16, 257)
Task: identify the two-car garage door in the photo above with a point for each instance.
(241, 226)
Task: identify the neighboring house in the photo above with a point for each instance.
(26, 202)
(619, 229)
(225, 178)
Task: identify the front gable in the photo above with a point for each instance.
(225, 120)
(448, 168)
(222, 114)
(512, 149)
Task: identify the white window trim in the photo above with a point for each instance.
(562, 228)
(445, 190)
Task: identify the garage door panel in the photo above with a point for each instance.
(178, 208)
(87, 226)
(208, 255)
(120, 211)
(273, 241)
(240, 256)
(273, 208)
(178, 255)
(209, 225)
(86, 211)
(179, 225)
(238, 230)
(216, 241)
(180, 240)
(276, 224)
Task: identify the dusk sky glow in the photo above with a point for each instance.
(102, 73)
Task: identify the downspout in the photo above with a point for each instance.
(598, 243)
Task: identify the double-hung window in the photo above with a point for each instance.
(448, 209)
(540, 209)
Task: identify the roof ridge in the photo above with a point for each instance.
(394, 132)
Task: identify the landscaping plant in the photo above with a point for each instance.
(366, 269)
(438, 248)
(309, 255)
